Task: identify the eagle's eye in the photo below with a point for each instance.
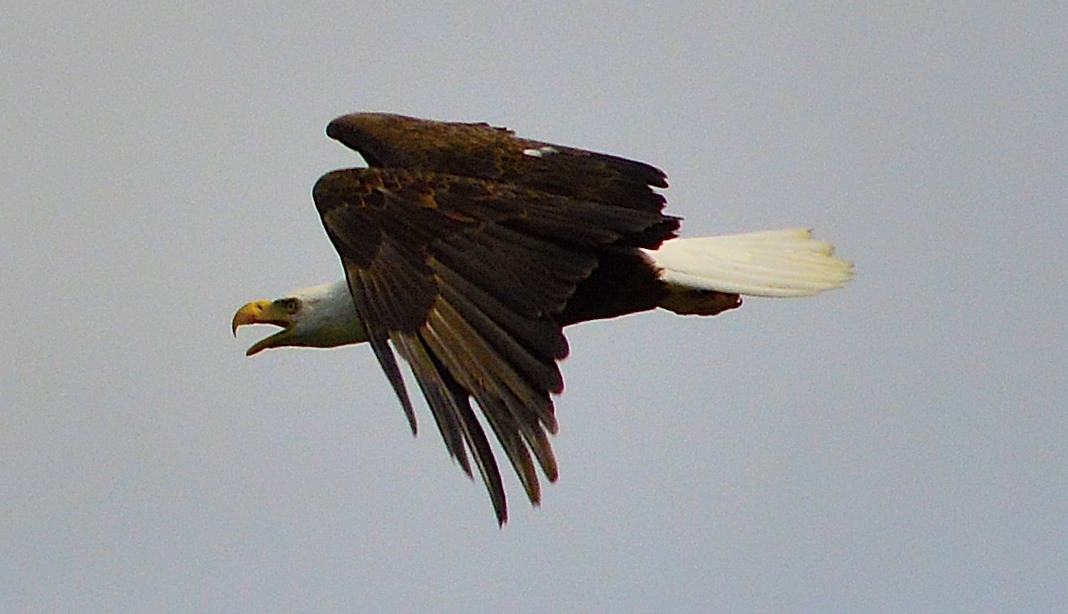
(292, 305)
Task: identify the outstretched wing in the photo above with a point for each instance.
(483, 151)
(462, 246)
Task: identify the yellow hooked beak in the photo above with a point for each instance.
(264, 312)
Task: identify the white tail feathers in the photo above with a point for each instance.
(775, 263)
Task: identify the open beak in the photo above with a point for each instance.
(264, 312)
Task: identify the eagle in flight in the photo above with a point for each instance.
(467, 249)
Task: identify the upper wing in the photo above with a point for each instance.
(464, 276)
(483, 151)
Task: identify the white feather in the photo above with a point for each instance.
(774, 263)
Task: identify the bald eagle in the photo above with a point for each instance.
(467, 249)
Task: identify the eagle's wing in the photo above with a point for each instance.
(483, 151)
(464, 276)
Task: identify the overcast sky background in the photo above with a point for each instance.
(898, 445)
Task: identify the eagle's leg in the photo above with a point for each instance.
(690, 301)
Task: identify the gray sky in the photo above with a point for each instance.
(898, 445)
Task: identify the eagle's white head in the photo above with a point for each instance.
(321, 316)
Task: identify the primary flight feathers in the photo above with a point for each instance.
(467, 249)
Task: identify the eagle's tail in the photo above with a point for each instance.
(775, 263)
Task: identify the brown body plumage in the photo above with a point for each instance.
(468, 248)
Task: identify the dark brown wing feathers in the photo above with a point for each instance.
(479, 150)
(464, 247)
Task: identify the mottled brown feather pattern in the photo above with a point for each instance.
(469, 256)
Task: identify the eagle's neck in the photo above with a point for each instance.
(331, 313)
